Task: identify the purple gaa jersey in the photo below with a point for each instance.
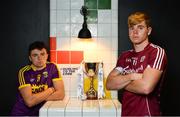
(39, 80)
(130, 61)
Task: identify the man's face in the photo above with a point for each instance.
(38, 58)
(139, 33)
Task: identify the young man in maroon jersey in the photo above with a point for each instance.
(38, 82)
(139, 71)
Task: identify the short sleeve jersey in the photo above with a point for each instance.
(130, 61)
(39, 80)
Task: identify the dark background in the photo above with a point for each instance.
(24, 21)
(166, 29)
(21, 23)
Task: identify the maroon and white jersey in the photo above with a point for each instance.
(129, 62)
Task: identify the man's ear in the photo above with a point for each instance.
(149, 30)
(47, 56)
(30, 59)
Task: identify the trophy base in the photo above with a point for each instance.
(91, 98)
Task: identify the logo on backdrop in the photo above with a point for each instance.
(68, 71)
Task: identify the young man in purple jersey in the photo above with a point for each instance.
(139, 71)
(38, 82)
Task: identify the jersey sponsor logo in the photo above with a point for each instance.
(139, 68)
(38, 88)
(128, 71)
(122, 71)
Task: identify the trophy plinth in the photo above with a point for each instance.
(91, 69)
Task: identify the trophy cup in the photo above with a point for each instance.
(90, 71)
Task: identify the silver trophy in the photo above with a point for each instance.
(91, 69)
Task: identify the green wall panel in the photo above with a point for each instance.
(92, 16)
(104, 4)
(91, 4)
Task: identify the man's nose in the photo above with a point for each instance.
(135, 31)
(40, 57)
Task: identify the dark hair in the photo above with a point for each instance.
(37, 45)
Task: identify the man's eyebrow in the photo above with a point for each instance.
(141, 25)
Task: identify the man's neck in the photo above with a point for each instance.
(35, 68)
(139, 47)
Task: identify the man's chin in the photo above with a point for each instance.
(137, 43)
(40, 66)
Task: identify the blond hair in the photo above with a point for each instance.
(137, 18)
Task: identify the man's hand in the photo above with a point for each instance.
(136, 76)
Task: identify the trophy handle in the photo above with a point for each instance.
(85, 67)
(97, 66)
